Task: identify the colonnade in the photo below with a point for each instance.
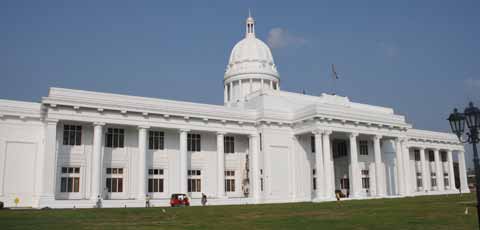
(438, 169)
(229, 87)
(404, 182)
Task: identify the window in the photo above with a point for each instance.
(261, 180)
(261, 184)
(193, 141)
(155, 180)
(229, 144)
(312, 144)
(261, 142)
(72, 135)
(344, 183)
(194, 181)
(114, 138)
(433, 179)
(419, 180)
(445, 179)
(230, 181)
(155, 140)
(416, 152)
(114, 181)
(364, 148)
(228, 92)
(314, 179)
(339, 148)
(70, 180)
(365, 179)
(431, 156)
(443, 156)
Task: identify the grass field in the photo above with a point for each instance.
(429, 212)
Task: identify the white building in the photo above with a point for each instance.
(263, 146)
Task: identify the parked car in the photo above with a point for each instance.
(179, 199)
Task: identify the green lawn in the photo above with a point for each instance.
(430, 212)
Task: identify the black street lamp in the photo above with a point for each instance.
(457, 120)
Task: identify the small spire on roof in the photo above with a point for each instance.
(250, 27)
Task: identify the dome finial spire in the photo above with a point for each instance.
(250, 27)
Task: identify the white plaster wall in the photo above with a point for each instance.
(278, 146)
(20, 145)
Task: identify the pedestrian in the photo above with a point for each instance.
(147, 201)
(99, 202)
(337, 195)
(204, 199)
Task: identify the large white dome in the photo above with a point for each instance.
(251, 56)
(250, 68)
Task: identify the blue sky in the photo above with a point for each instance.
(419, 57)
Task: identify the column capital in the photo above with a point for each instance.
(317, 132)
(51, 121)
(253, 135)
(221, 133)
(377, 137)
(353, 135)
(421, 148)
(98, 124)
(143, 127)
(327, 132)
(184, 130)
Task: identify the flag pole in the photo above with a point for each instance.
(334, 78)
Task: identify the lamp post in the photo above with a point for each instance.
(457, 120)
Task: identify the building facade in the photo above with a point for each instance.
(76, 148)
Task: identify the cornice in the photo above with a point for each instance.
(103, 101)
(20, 109)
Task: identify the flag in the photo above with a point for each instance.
(334, 73)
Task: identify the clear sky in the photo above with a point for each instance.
(420, 57)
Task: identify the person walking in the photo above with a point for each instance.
(204, 199)
(147, 201)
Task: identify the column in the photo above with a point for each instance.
(271, 84)
(231, 91)
(355, 174)
(255, 167)
(451, 174)
(97, 162)
(225, 96)
(462, 169)
(379, 169)
(424, 169)
(240, 90)
(220, 165)
(251, 86)
(261, 81)
(406, 167)
(48, 163)
(328, 166)
(400, 169)
(142, 162)
(183, 159)
(319, 165)
(438, 170)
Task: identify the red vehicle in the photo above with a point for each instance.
(179, 199)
